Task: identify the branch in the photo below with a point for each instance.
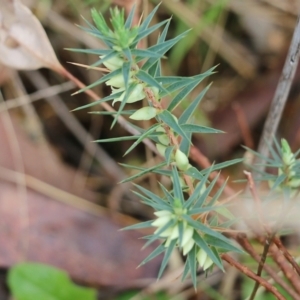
(269, 287)
(243, 241)
(280, 96)
(287, 255)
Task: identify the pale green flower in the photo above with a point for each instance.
(161, 149)
(182, 161)
(163, 138)
(113, 63)
(204, 260)
(145, 113)
(188, 247)
(136, 95)
(116, 81)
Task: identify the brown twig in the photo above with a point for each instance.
(281, 94)
(241, 238)
(287, 255)
(286, 268)
(269, 287)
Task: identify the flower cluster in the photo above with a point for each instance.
(288, 170)
(291, 165)
(172, 233)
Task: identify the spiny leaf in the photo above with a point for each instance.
(178, 194)
(203, 245)
(167, 256)
(105, 99)
(101, 80)
(130, 17)
(117, 139)
(146, 171)
(142, 137)
(168, 118)
(160, 249)
(143, 33)
(193, 263)
(199, 129)
(149, 80)
(146, 224)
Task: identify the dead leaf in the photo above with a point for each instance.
(92, 249)
(86, 244)
(24, 44)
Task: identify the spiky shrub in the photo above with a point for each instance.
(188, 216)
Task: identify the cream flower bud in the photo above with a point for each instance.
(145, 113)
(163, 138)
(188, 247)
(175, 233)
(116, 81)
(163, 213)
(201, 257)
(288, 158)
(294, 183)
(207, 263)
(187, 235)
(165, 233)
(113, 63)
(136, 95)
(155, 91)
(161, 149)
(182, 162)
(161, 221)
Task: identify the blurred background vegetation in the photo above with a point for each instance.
(248, 40)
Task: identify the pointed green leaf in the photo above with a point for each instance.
(160, 249)
(181, 95)
(101, 80)
(193, 264)
(178, 194)
(223, 165)
(126, 73)
(221, 244)
(144, 53)
(196, 194)
(153, 196)
(143, 33)
(130, 17)
(148, 19)
(194, 173)
(169, 197)
(146, 171)
(146, 224)
(192, 107)
(149, 80)
(201, 227)
(202, 245)
(117, 139)
(168, 118)
(166, 258)
(168, 154)
(90, 51)
(186, 270)
(142, 137)
(185, 144)
(199, 129)
(105, 99)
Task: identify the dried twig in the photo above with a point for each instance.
(287, 255)
(244, 242)
(269, 287)
(280, 96)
